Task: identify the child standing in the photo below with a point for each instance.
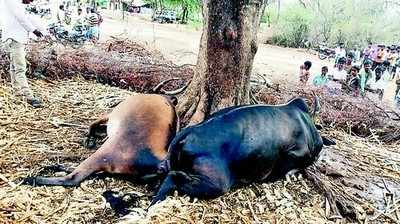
(305, 72)
(322, 79)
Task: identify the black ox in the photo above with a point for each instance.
(240, 145)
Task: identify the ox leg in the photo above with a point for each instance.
(199, 186)
(89, 166)
(167, 187)
(96, 130)
(295, 158)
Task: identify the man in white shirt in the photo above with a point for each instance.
(61, 15)
(340, 52)
(15, 34)
(337, 78)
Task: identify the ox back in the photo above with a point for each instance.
(239, 145)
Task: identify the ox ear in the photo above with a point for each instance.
(299, 103)
(171, 99)
(174, 100)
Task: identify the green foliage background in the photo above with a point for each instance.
(354, 22)
(307, 23)
(192, 6)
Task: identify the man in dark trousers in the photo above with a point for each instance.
(15, 35)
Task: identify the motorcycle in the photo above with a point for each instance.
(42, 12)
(325, 52)
(45, 13)
(76, 37)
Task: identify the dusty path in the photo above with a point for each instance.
(180, 44)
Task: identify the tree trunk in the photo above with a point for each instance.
(227, 49)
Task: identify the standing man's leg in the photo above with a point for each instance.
(18, 73)
(397, 90)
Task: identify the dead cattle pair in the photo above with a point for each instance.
(139, 130)
(240, 145)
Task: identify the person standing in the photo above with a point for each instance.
(322, 79)
(93, 21)
(380, 57)
(365, 76)
(382, 78)
(305, 72)
(392, 58)
(353, 81)
(15, 35)
(397, 81)
(340, 52)
(61, 18)
(357, 55)
(367, 53)
(337, 78)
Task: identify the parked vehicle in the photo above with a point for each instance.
(76, 37)
(166, 16)
(325, 52)
(43, 12)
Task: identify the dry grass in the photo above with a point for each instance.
(33, 138)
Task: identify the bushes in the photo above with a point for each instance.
(353, 22)
(293, 28)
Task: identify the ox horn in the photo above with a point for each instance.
(158, 88)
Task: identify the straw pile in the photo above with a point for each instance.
(355, 115)
(32, 139)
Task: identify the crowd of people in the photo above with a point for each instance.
(356, 73)
(76, 18)
(17, 25)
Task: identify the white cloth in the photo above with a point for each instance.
(61, 16)
(382, 83)
(338, 75)
(340, 52)
(16, 24)
(357, 55)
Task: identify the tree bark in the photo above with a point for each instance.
(227, 49)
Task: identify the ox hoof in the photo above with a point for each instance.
(29, 181)
(121, 204)
(90, 143)
(293, 175)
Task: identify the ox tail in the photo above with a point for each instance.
(95, 163)
(326, 141)
(316, 106)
